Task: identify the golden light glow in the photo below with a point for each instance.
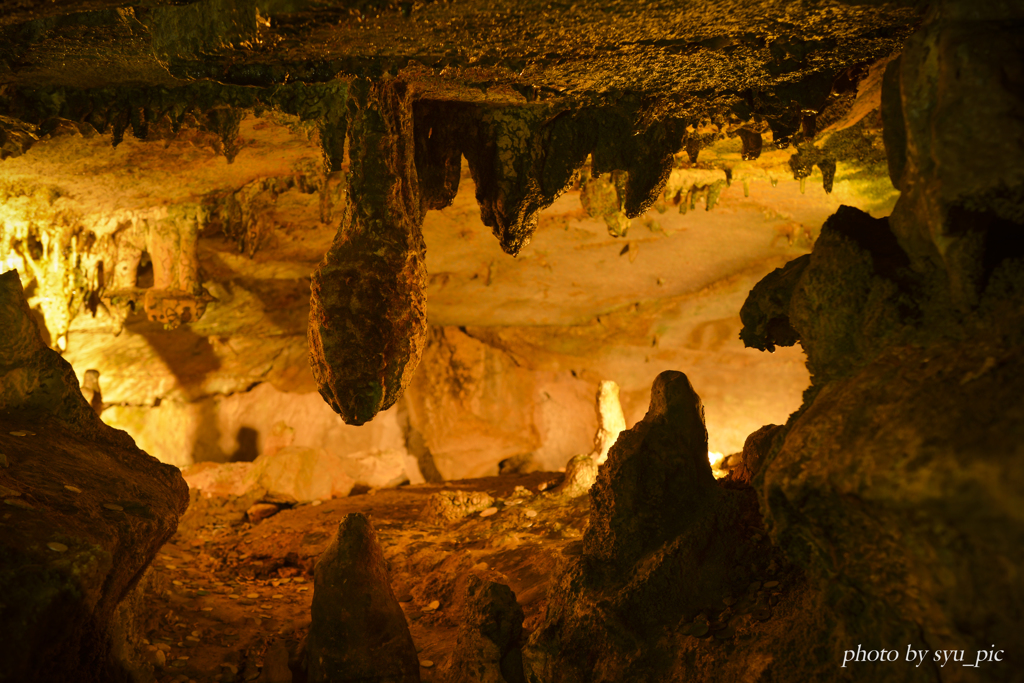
(716, 458)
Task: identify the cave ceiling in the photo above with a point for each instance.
(652, 152)
(693, 57)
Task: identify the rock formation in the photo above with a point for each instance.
(448, 506)
(612, 421)
(367, 316)
(874, 489)
(359, 632)
(666, 545)
(84, 512)
(756, 451)
(580, 475)
(657, 480)
(174, 171)
(908, 353)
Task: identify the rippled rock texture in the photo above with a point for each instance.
(84, 513)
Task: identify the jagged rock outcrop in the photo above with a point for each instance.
(16, 137)
(765, 313)
(666, 545)
(84, 513)
(359, 632)
(367, 317)
(488, 647)
(847, 299)
(657, 480)
(854, 297)
(895, 486)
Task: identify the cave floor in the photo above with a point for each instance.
(227, 600)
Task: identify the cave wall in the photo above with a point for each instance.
(254, 165)
(505, 376)
(228, 384)
(658, 291)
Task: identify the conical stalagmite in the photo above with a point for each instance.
(358, 632)
(657, 479)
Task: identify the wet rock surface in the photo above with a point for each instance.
(84, 512)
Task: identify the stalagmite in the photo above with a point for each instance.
(657, 478)
(612, 421)
(358, 632)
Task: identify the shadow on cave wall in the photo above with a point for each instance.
(417, 445)
(285, 302)
(248, 440)
(191, 359)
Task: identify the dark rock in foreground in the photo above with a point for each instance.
(897, 486)
(670, 554)
(84, 512)
(657, 480)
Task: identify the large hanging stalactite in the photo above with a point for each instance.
(367, 318)
(367, 310)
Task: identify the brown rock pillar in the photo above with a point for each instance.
(488, 646)
(657, 479)
(358, 630)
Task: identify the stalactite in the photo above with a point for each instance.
(367, 320)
